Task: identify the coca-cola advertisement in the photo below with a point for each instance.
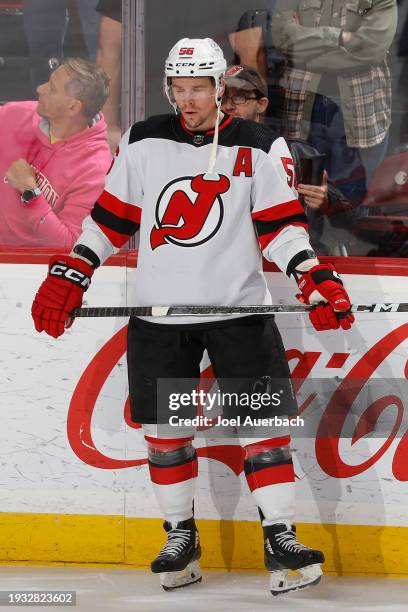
(70, 445)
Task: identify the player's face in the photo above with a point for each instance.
(244, 103)
(53, 102)
(195, 97)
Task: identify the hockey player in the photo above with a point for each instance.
(209, 194)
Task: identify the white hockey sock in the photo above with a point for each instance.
(173, 472)
(269, 472)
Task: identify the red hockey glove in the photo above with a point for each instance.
(323, 284)
(61, 292)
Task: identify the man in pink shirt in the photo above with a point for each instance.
(54, 156)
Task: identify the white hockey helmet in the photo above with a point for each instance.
(195, 57)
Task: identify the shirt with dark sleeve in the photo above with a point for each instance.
(111, 9)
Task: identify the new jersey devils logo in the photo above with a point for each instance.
(189, 211)
(234, 71)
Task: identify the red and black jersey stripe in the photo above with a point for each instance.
(118, 220)
(270, 221)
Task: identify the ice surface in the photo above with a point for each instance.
(118, 589)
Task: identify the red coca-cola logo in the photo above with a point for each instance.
(79, 423)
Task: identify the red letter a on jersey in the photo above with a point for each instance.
(243, 163)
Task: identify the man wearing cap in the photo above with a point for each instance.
(246, 94)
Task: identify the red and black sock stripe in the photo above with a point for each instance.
(268, 462)
(177, 472)
(172, 463)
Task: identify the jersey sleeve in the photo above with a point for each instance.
(278, 216)
(116, 214)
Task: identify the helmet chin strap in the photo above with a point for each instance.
(210, 174)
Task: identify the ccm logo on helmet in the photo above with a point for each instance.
(76, 277)
(186, 51)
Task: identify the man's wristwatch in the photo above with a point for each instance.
(30, 194)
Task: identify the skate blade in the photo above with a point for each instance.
(282, 582)
(176, 580)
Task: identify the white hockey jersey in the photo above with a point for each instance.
(200, 240)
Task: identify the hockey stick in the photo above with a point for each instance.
(178, 311)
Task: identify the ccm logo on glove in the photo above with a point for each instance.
(323, 284)
(61, 292)
(75, 276)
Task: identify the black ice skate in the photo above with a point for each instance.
(177, 562)
(283, 553)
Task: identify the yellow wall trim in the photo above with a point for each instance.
(235, 545)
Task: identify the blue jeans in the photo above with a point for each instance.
(350, 168)
(90, 20)
(45, 25)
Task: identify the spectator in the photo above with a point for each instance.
(244, 85)
(54, 157)
(109, 56)
(246, 97)
(337, 82)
